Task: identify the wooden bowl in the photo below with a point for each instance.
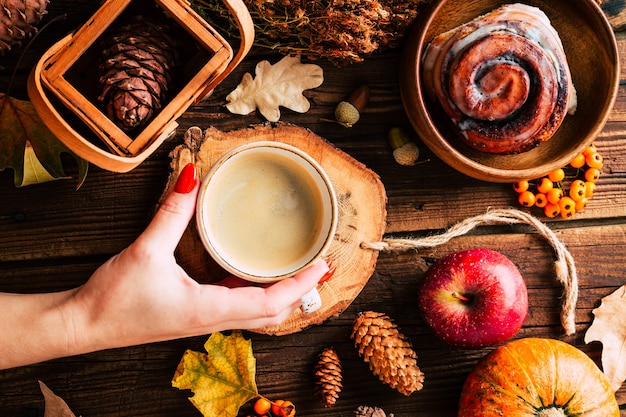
(591, 50)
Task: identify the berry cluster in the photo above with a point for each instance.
(550, 192)
(279, 408)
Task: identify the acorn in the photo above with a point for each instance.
(348, 112)
(405, 151)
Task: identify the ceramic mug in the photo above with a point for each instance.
(266, 211)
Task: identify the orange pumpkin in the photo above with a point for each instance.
(537, 377)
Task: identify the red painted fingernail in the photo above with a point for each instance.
(187, 179)
(329, 273)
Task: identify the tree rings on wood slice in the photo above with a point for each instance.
(362, 204)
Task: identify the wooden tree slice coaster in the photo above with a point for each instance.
(362, 204)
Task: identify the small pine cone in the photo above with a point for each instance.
(388, 352)
(17, 21)
(137, 63)
(328, 377)
(366, 411)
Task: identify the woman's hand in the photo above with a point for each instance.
(142, 295)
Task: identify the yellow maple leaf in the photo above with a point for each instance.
(223, 379)
(609, 328)
(29, 147)
(281, 84)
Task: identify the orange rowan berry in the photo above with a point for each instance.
(276, 406)
(594, 160)
(282, 408)
(526, 199)
(582, 204)
(544, 185)
(262, 406)
(554, 195)
(557, 175)
(567, 204)
(541, 200)
(578, 161)
(577, 190)
(521, 186)
(590, 149)
(592, 174)
(551, 210)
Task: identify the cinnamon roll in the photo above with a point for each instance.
(503, 79)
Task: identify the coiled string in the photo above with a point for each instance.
(564, 265)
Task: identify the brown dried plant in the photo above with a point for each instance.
(342, 31)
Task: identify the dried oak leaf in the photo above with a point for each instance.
(29, 147)
(223, 379)
(609, 328)
(281, 84)
(54, 405)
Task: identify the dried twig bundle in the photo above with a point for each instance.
(342, 31)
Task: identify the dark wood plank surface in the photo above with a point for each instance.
(53, 236)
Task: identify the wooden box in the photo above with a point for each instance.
(63, 85)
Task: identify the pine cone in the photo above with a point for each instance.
(365, 411)
(388, 352)
(328, 377)
(137, 63)
(17, 21)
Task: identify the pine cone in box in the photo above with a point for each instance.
(388, 352)
(328, 377)
(17, 21)
(137, 64)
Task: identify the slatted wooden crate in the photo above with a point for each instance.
(63, 85)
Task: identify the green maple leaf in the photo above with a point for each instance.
(29, 147)
(223, 379)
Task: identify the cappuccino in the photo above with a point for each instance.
(266, 216)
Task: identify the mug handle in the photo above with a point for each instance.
(242, 16)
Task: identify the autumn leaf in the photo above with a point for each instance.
(609, 328)
(29, 147)
(54, 405)
(223, 379)
(281, 84)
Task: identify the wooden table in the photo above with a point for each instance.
(52, 237)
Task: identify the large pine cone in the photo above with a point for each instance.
(328, 377)
(17, 21)
(137, 64)
(388, 352)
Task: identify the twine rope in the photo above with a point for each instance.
(564, 265)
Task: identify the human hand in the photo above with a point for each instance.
(142, 295)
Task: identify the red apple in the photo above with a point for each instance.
(474, 298)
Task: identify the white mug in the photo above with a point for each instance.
(266, 211)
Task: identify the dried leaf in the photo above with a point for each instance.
(609, 328)
(275, 85)
(34, 172)
(29, 147)
(54, 405)
(223, 379)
